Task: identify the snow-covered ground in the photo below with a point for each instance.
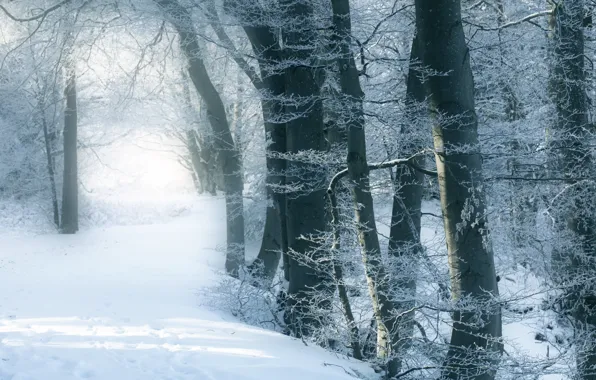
(122, 303)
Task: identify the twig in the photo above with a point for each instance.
(528, 18)
(33, 18)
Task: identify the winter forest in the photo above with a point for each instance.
(290, 189)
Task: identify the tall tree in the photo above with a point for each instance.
(573, 206)
(270, 84)
(475, 339)
(352, 97)
(228, 155)
(70, 181)
(306, 217)
(404, 235)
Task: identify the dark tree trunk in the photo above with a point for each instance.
(228, 156)
(272, 87)
(263, 39)
(404, 236)
(574, 205)
(309, 272)
(459, 164)
(70, 182)
(352, 97)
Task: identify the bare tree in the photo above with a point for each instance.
(384, 308)
(475, 338)
(571, 158)
(70, 180)
(228, 155)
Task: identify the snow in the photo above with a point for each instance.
(122, 303)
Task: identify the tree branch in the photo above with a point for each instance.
(382, 165)
(37, 17)
(223, 36)
(528, 18)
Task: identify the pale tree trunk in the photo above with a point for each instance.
(70, 182)
(227, 153)
(376, 276)
(574, 205)
(404, 236)
(51, 169)
(475, 339)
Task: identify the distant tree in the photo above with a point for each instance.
(228, 156)
(70, 181)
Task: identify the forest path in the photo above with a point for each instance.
(121, 303)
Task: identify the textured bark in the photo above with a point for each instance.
(376, 276)
(475, 340)
(575, 217)
(70, 182)
(309, 282)
(228, 156)
(404, 235)
(272, 86)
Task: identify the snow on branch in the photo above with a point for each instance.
(527, 18)
(382, 165)
(36, 17)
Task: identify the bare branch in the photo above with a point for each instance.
(37, 17)
(215, 23)
(383, 165)
(528, 18)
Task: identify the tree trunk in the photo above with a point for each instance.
(228, 156)
(475, 340)
(378, 286)
(575, 215)
(70, 182)
(51, 169)
(199, 149)
(309, 272)
(404, 236)
(272, 87)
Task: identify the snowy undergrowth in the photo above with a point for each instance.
(120, 303)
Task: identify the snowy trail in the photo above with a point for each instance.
(120, 303)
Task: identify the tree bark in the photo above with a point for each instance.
(270, 83)
(70, 182)
(404, 236)
(309, 271)
(575, 215)
(475, 340)
(228, 156)
(376, 276)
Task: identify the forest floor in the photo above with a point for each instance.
(122, 303)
